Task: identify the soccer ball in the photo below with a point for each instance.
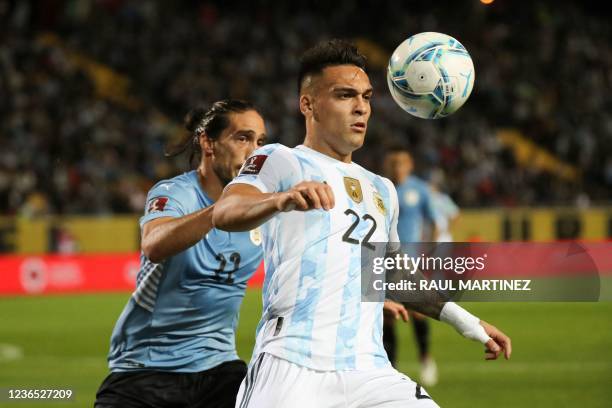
(430, 75)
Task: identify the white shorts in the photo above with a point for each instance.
(273, 382)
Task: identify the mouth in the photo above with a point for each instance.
(359, 127)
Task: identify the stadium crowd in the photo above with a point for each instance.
(543, 68)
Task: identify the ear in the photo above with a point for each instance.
(206, 144)
(306, 102)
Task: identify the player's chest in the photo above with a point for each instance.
(226, 257)
(362, 209)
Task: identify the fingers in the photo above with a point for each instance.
(330, 195)
(404, 313)
(298, 201)
(506, 344)
(492, 350)
(396, 309)
(499, 342)
(316, 196)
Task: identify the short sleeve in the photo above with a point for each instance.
(166, 199)
(267, 169)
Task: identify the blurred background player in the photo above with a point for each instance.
(445, 209)
(174, 343)
(416, 211)
(318, 344)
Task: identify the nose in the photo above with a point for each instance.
(251, 147)
(361, 106)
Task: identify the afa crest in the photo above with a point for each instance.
(353, 188)
(380, 203)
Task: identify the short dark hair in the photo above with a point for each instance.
(397, 148)
(211, 121)
(326, 54)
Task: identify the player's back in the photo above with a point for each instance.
(313, 314)
(184, 311)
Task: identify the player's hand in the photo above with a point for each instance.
(395, 310)
(499, 342)
(307, 195)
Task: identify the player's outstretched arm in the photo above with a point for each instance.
(243, 207)
(433, 304)
(471, 327)
(468, 325)
(167, 236)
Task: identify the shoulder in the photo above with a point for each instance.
(416, 183)
(383, 186)
(378, 180)
(180, 188)
(273, 149)
(269, 159)
(268, 155)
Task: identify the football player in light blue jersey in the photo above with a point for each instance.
(447, 211)
(414, 195)
(318, 345)
(174, 343)
(416, 212)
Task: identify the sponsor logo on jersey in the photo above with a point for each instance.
(157, 204)
(253, 164)
(379, 203)
(353, 188)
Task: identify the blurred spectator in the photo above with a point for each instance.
(544, 68)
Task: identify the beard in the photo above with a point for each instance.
(224, 174)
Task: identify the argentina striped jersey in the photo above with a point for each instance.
(312, 310)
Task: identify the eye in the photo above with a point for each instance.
(242, 138)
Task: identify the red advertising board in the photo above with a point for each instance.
(74, 273)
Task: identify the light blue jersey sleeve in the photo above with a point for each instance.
(169, 199)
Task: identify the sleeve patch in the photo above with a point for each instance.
(253, 164)
(157, 204)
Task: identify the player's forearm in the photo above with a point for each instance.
(243, 212)
(427, 302)
(176, 235)
(433, 304)
(432, 309)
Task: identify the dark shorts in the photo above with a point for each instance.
(214, 388)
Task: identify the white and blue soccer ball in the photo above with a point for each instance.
(430, 75)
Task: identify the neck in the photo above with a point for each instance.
(209, 181)
(321, 146)
(401, 179)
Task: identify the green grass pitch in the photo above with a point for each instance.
(562, 351)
